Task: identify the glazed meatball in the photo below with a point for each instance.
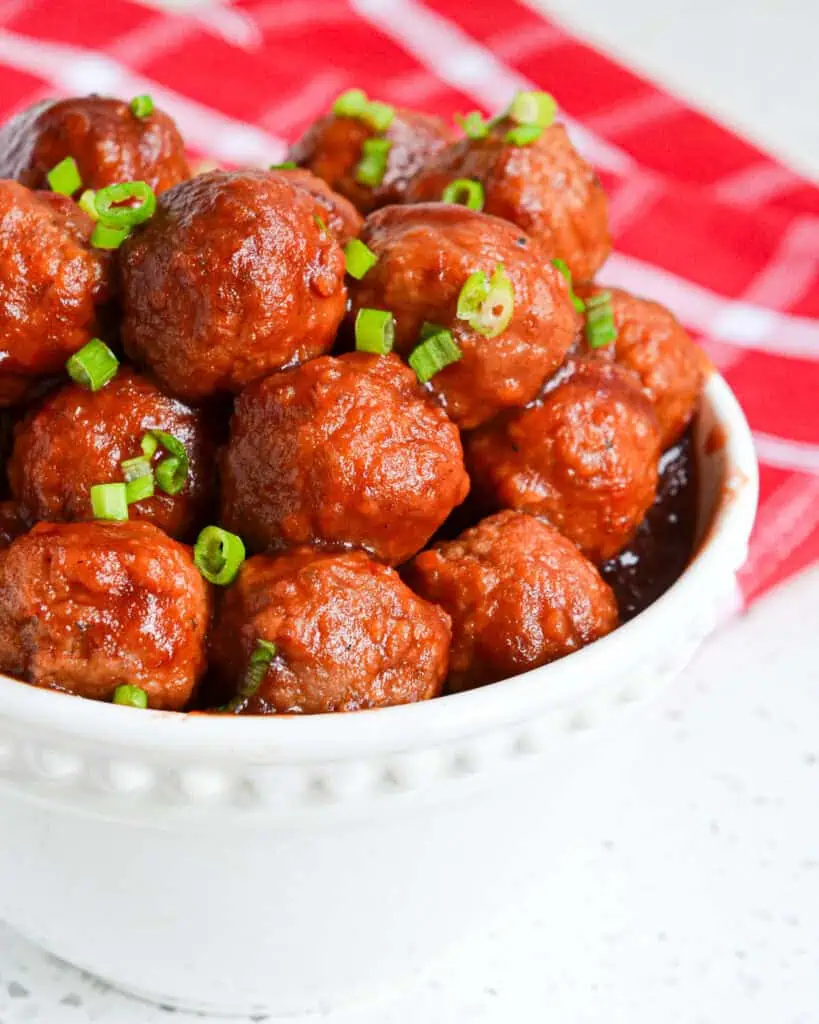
(545, 187)
(519, 595)
(109, 143)
(338, 213)
(343, 450)
(52, 285)
(87, 607)
(348, 635)
(78, 438)
(426, 254)
(656, 347)
(333, 148)
(232, 278)
(584, 456)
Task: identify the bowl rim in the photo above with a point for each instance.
(310, 738)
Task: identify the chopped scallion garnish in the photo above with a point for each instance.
(358, 258)
(130, 696)
(263, 653)
(374, 331)
(64, 177)
(142, 106)
(600, 327)
(373, 164)
(133, 469)
(533, 108)
(473, 125)
(218, 555)
(351, 103)
(436, 351)
(523, 134)
(320, 224)
(139, 489)
(94, 366)
(109, 501)
(288, 165)
(379, 116)
(86, 203)
(464, 192)
(172, 473)
(104, 237)
(113, 215)
(487, 305)
(561, 266)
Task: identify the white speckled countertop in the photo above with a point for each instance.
(691, 892)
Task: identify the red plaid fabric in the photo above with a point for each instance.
(702, 220)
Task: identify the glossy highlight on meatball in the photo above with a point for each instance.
(78, 438)
(544, 187)
(341, 633)
(338, 213)
(343, 450)
(425, 256)
(519, 595)
(108, 141)
(334, 146)
(653, 344)
(88, 607)
(52, 285)
(232, 278)
(584, 457)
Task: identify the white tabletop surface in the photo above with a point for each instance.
(690, 894)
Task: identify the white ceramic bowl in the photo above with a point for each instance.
(284, 865)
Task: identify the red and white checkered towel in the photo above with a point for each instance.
(702, 221)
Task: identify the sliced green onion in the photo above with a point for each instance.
(465, 192)
(64, 177)
(379, 116)
(86, 203)
(358, 258)
(533, 108)
(473, 125)
(149, 445)
(288, 165)
(374, 331)
(125, 217)
(263, 653)
(139, 489)
(523, 134)
(428, 329)
(142, 106)
(578, 303)
(373, 164)
(104, 237)
(435, 352)
(109, 501)
(133, 469)
(94, 366)
(130, 696)
(171, 473)
(218, 555)
(351, 103)
(320, 224)
(600, 327)
(487, 306)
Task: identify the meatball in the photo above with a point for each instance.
(51, 283)
(348, 635)
(519, 595)
(333, 147)
(109, 143)
(656, 347)
(545, 187)
(77, 438)
(343, 450)
(426, 254)
(87, 607)
(584, 457)
(338, 213)
(232, 278)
